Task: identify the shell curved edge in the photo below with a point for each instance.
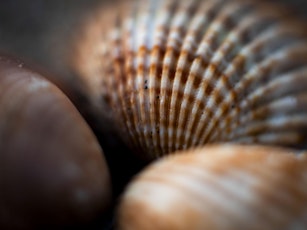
(52, 169)
(219, 187)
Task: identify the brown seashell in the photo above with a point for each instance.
(178, 74)
(219, 187)
(52, 169)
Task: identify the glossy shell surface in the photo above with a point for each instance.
(52, 169)
(219, 187)
(178, 74)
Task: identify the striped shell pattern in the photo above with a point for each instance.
(178, 74)
(219, 187)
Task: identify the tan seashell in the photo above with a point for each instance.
(219, 187)
(52, 169)
(178, 74)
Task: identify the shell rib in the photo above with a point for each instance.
(178, 74)
(219, 187)
(52, 170)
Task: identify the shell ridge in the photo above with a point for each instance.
(153, 47)
(157, 53)
(270, 111)
(199, 25)
(277, 85)
(271, 125)
(277, 50)
(205, 53)
(237, 34)
(195, 24)
(146, 20)
(129, 47)
(241, 30)
(282, 139)
(178, 29)
(245, 80)
(114, 68)
(241, 63)
(150, 43)
(120, 62)
(186, 73)
(137, 36)
(225, 15)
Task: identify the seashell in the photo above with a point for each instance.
(52, 169)
(178, 74)
(219, 187)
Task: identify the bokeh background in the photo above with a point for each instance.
(41, 33)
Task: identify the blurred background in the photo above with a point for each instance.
(41, 33)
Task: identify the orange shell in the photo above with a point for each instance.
(219, 187)
(178, 74)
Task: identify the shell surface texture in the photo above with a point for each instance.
(178, 74)
(52, 169)
(219, 187)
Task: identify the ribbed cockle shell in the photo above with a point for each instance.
(178, 73)
(219, 187)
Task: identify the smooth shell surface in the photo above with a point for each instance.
(219, 187)
(178, 74)
(52, 169)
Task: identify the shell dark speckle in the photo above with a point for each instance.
(178, 74)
